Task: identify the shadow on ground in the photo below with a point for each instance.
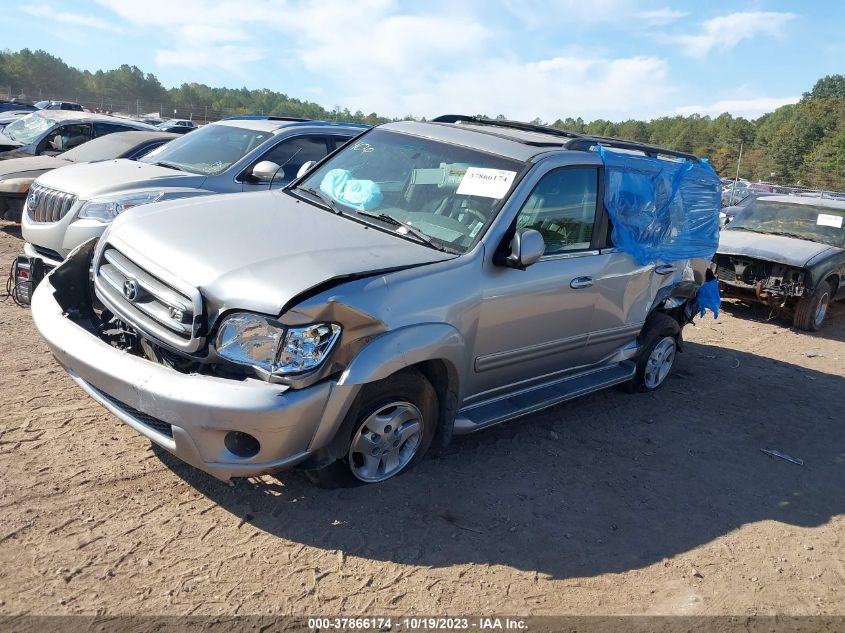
(607, 483)
(833, 327)
(11, 228)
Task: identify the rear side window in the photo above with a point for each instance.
(340, 141)
(562, 207)
(69, 136)
(101, 129)
(293, 153)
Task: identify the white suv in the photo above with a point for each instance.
(71, 205)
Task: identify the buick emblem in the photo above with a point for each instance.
(131, 289)
(33, 200)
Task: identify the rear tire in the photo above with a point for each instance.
(392, 424)
(811, 310)
(657, 358)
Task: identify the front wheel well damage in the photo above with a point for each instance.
(833, 280)
(444, 378)
(442, 375)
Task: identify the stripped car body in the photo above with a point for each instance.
(761, 258)
(344, 323)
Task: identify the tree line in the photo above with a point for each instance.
(803, 143)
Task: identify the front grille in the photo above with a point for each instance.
(725, 273)
(742, 270)
(159, 426)
(154, 306)
(44, 204)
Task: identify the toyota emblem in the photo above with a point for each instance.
(131, 289)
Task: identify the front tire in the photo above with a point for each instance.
(392, 425)
(811, 310)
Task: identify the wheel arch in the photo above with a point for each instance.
(834, 280)
(436, 350)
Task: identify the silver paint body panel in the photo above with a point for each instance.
(500, 331)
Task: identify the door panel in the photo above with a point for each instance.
(535, 322)
(531, 323)
(624, 292)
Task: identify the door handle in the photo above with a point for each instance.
(581, 282)
(665, 269)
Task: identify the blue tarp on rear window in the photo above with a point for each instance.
(661, 210)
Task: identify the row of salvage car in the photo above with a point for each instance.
(361, 302)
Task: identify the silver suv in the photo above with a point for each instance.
(69, 206)
(428, 279)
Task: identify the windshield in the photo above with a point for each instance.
(103, 148)
(447, 193)
(28, 129)
(808, 222)
(209, 150)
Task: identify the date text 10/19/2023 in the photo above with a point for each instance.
(417, 623)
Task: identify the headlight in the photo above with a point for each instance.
(255, 340)
(107, 208)
(16, 185)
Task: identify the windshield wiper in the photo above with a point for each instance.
(326, 200)
(170, 165)
(795, 235)
(742, 228)
(389, 219)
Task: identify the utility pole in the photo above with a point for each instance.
(738, 161)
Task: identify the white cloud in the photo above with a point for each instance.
(537, 13)
(550, 89)
(726, 31)
(748, 108)
(206, 35)
(660, 17)
(75, 19)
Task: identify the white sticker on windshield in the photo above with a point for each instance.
(489, 183)
(825, 219)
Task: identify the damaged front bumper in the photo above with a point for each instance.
(191, 415)
(752, 279)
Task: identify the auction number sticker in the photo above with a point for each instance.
(826, 219)
(488, 183)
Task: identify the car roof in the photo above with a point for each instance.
(520, 141)
(827, 203)
(141, 136)
(75, 115)
(274, 125)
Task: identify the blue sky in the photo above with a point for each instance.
(613, 59)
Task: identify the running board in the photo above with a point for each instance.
(477, 417)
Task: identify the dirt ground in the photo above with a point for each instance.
(657, 503)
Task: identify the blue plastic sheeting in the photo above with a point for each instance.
(661, 210)
(708, 298)
(360, 194)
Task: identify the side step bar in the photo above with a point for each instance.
(479, 416)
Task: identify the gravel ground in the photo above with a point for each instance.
(658, 503)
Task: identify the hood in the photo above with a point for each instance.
(258, 251)
(90, 180)
(774, 248)
(7, 143)
(29, 163)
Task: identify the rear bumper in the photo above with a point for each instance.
(190, 414)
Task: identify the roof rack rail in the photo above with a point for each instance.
(259, 117)
(586, 142)
(575, 140)
(516, 125)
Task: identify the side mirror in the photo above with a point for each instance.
(267, 170)
(305, 168)
(527, 246)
